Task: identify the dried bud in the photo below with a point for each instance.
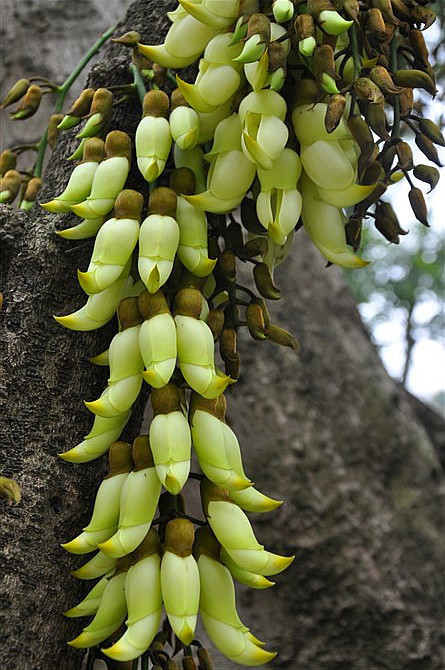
(427, 147)
(9, 490)
(304, 26)
(405, 156)
(215, 321)
(53, 130)
(386, 9)
(334, 112)
(282, 337)
(264, 282)
(418, 205)
(29, 104)
(15, 93)
(414, 79)
(8, 161)
(381, 77)
(367, 90)
(376, 24)
(258, 24)
(428, 174)
(129, 39)
(351, 9)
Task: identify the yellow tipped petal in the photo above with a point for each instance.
(210, 203)
(161, 56)
(193, 96)
(84, 210)
(56, 206)
(347, 197)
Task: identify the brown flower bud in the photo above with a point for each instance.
(129, 39)
(156, 103)
(422, 15)
(188, 302)
(15, 93)
(177, 100)
(323, 62)
(314, 7)
(162, 201)
(387, 156)
(258, 246)
(29, 104)
(167, 399)
(375, 116)
(388, 226)
(248, 7)
(432, 131)
(8, 161)
(227, 343)
(406, 102)
(128, 313)
(282, 337)
(353, 232)
(119, 459)
(372, 173)
(53, 131)
(206, 544)
(179, 537)
(215, 321)
(334, 112)
(128, 205)
(160, 74)
(150, 545)
(304, 26)
(210, 491)
(233, 365)
(381, 77)
(102, 103)
(401, 10)
(376, 23)
(258, 24)
(183, 181)
(227, 265)
(152, 304)
(9, 186)
(427, 147)
(277, 57)
(33, 187)
(264, 282)
(367, 90)
(405, 156)
(386, 9)
(418, 205)
(428, 174)
(141, 453)
(82, 105)
(360, 132)
(419, 47)
(414, 79)
(118, 143)
(93, 150)
(205, 662)
(249, 217)
(255, 322)
(351, 8)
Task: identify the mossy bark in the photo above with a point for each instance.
(326, 430)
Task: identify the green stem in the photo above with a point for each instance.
(356, 60)
(61, 94)
(393, 64)
(171, 77)
(138, 82)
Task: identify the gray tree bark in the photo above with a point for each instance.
(326, 430)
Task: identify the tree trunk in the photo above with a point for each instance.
(326, 430)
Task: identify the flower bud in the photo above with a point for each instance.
(334, 112)
(428, 174)
(324, 68)
(283, 10)
(184, 127)
(128, 39)
(81, 107)
(282, 337)
(100, 112)
(8, 161)
(53, 129)
(427, 147)
(418, 205)
(33, 187)
(405, 156)
(332, 22)
(15, 93)
(180, 579)
(432, 131)
(264, 282)
(9, 186)
(376, 23)
(414, 79)
(256, 40)
(29, 103)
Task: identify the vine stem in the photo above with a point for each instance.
(356, 60)
(138, 82)
(62, 90)
(393, 65)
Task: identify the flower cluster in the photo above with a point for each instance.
(292, 121)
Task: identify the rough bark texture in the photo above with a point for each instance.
(327, 430)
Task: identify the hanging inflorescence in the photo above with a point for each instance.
(294, 119)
